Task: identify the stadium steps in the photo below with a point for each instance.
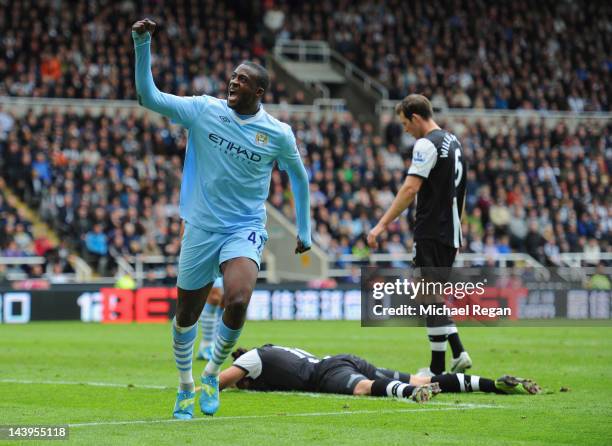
(281, 263)
(311, 72)
(314, 63)
(291, 82)
(39, 227)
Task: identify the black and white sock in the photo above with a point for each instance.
(461, 383)
(454, 341)
(391, 388)
(437, 342)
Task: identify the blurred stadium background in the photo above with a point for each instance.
(89, 190)
(90, 182)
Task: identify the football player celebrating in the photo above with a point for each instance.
(232, 147)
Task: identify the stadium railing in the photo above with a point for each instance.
(303, 50)
(19, 106)
(402, 260)
(282, 263)
(385, 109)
(317, 50)
(82, 271)
(136, 265)
(579, 259)
(18, 262)
(320, 108)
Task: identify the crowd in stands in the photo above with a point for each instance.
(546, 55)
(108, 185)
(17, 240)
(111, 184)
(84, 49)
(549, 54)
(530, 189)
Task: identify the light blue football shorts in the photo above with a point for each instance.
(202, 252)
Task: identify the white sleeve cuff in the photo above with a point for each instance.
(424, 157)
(251, 363)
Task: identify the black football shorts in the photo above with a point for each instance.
(341, 373)
(432, 253)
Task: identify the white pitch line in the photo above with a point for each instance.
(453, 406)
(86, 383)
(338, 396)
(289, 415)
(333, 396)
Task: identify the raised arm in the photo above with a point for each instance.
(292, 163)
(182, 110)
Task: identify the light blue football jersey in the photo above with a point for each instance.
(228, 165)
(229, 160)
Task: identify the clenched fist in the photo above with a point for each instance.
(301, 247)
(144, 25)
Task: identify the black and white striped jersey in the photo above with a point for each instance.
(272, 367)
(438, 159)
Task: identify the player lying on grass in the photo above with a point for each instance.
(276, 368)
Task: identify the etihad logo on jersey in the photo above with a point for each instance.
(234, 149)
(261, 139)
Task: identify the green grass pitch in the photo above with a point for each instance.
(122, 359)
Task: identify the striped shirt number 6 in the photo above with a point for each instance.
(458, 167)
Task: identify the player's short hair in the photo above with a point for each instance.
(238, 352)
(263, 78)
(415, 104)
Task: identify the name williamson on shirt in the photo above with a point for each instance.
(230, 146)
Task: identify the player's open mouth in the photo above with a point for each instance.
(232, 94)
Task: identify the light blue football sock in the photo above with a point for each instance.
(224, 342)
(183, 339)
(208, 324)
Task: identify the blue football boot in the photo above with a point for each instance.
(183, 408)
(209, 398)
